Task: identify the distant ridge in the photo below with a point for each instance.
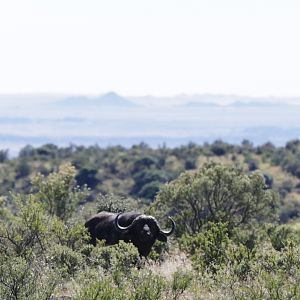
(113, 99)
(201, 104)
(111, 119)
(109, 99)
(258, 104)
(213, 100)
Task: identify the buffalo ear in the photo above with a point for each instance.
(161, 237)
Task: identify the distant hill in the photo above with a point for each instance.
(113, 119)
(214, 100)
(201, 104)
(75, 100)
(108, 99)
(257, 104)
(113, 99)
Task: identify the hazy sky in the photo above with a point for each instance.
(160, 47)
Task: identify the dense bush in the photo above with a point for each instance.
(59, 191)
(227, 248)
(139, 170)
(208, 248)
(217, 193)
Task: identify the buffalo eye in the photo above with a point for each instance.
(147, 229)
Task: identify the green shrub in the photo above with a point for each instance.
(240, 259)
(289, 260)
(71, 234)
(114, 203)
(26, 279)
(120, 258)
(212, 250)
(59, 191)
(66, 259)
(159, 251)
(208, 248)
(180, 282)
(25, 228)
(147, 286)
(216, 193)
(101, 289)
(280, 235)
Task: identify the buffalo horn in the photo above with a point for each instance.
(167, 233)
(121, 228)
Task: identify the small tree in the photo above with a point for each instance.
(216, 193)
(59, 191)
(3, 156)
(114, 203)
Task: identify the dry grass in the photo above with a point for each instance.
(224, 159)
(295, 226)
(170, 265)
(180, 262)
(278, 174)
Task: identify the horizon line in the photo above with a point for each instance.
(182, 94)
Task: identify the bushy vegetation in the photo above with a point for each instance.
(229, 203)
(216, 193)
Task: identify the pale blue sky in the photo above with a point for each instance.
(160, 47)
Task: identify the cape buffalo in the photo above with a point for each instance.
(139, 229)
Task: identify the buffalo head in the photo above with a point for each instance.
(144, 231)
